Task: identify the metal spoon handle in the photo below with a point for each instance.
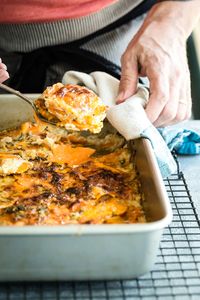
(17, 93)
(23, 97)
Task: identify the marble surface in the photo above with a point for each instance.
(190, 166)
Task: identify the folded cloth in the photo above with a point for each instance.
(129, 117)
(182, 141)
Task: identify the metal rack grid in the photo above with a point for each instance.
(176, 274)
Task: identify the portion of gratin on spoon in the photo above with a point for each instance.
(73, 107)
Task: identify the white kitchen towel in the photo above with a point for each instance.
(129, 117)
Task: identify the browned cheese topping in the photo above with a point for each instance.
(73, 107)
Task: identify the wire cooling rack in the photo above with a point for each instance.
(176, 274)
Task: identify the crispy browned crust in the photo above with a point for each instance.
(72, 106)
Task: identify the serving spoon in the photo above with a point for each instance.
(27, 100)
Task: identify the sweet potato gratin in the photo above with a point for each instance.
(72, 106)
(51, 176)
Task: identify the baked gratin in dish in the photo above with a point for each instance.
(53, 176)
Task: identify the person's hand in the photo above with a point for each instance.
(158, 51)
(3, 72)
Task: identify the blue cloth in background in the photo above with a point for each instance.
(182, 141)
(168, 139)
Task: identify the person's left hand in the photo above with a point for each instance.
(158, 51)
(3, 72)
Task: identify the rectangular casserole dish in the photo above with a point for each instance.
(85, 252)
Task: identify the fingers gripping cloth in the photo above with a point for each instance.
(129, 117)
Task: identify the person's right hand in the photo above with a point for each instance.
(3, 72)
(158, 51)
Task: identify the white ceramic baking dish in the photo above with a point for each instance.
(85, 252)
